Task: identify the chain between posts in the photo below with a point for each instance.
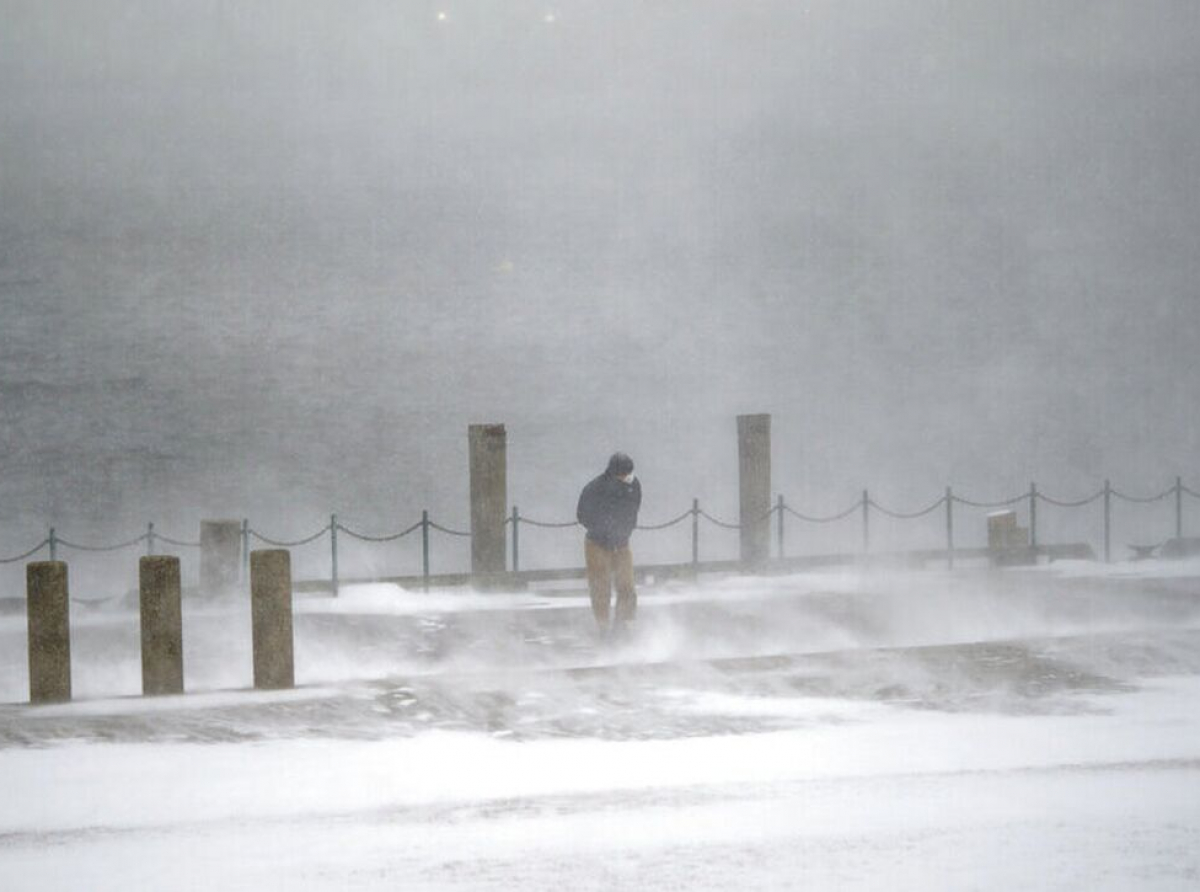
(388, 538)
(102, 548)
(1144, 501)
(30, 553)
(780, 509)
(828, 519)
(442, 529)
(178, 543)
(901, 515)
(1077, 503)
(282, 543)
(670, 523)
(720, 523)
(1001, 504)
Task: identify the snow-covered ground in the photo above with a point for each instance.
(969, 730)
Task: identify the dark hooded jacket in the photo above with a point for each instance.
(608, 510)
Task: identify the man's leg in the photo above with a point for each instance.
(626, 593)
(599, 575)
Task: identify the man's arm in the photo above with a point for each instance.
(585, 511)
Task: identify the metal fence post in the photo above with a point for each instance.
(779, 523)
(1178, 507)
(695, 535)
(949, 528)
(866, 522)
(425, 548)
(1033, 536)
(53, 537)
(245, 547)
(516, 539)
(333, 555)
(150, 539)
(1107, 522)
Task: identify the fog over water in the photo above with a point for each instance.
(271, 259)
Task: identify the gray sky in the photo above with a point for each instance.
(275, 256)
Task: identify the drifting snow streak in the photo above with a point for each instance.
(747, 656)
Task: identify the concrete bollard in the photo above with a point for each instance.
(162, 625)
(489, 497)
(49, 616)
(220, 557)
(754, 481)
(271, 618)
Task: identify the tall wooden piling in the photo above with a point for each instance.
(489, 496)
(162, 625)
(220, 556)
(271, 618)
(754, 475)
(49, 620)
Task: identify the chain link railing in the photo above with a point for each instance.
(863, 506)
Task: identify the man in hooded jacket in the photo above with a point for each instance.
(608, 510)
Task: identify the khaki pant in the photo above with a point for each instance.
(606, 568)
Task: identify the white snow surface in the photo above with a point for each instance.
(1036, 730)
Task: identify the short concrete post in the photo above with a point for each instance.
(754, 475)
(271, 618)
(49, 617)
(489, 496)
(162, 625)
(220, 554)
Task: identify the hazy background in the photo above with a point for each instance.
(270, 259)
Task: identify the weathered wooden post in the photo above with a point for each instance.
(271, 618)
(1007, 543)
(489, 497)
(162, 625)
(49, 620)
(220, 554)
(754, 476)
